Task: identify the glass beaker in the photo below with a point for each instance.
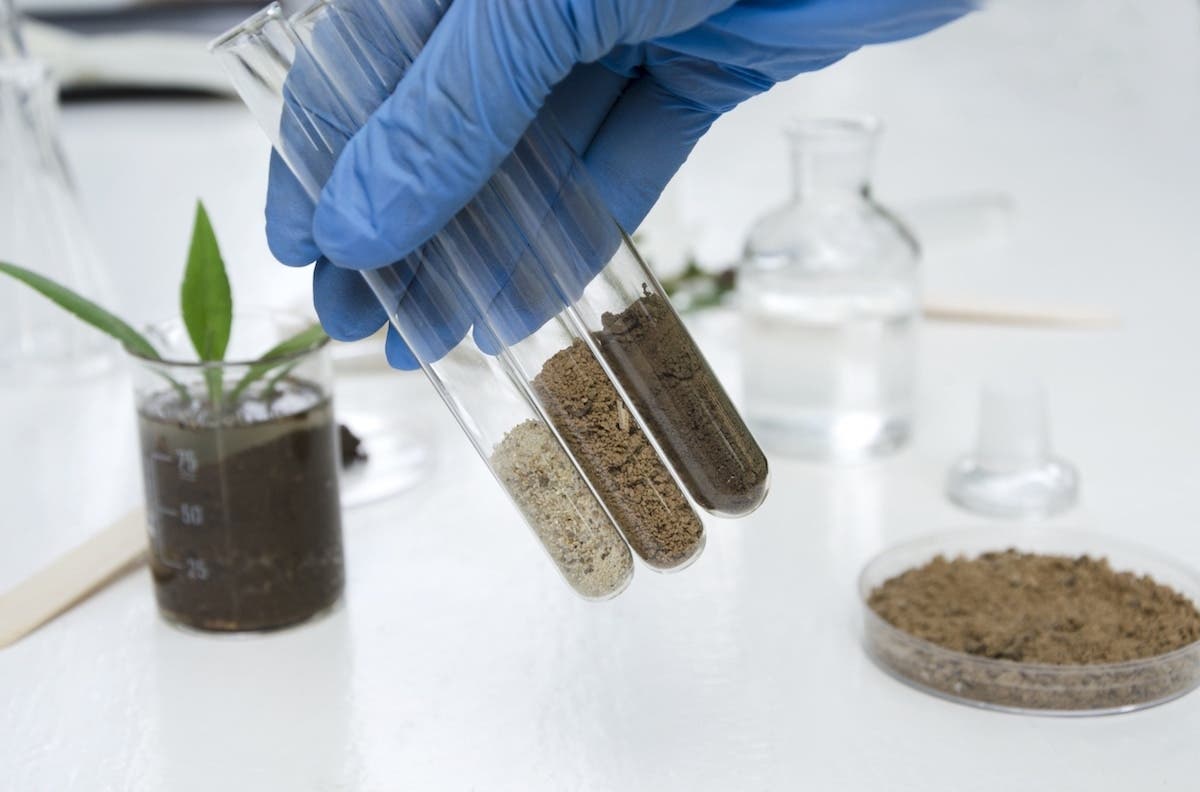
(241, 479)
(829, 296)
(42, 229)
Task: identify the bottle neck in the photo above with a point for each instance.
(831, 160)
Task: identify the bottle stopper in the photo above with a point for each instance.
(1012, 471)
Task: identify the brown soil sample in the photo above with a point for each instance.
(627, 474)
(1038, 609)
(1070, 621)
(564, 513)
(684, 405)
(245, 524)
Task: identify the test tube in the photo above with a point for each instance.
(615, 305)
(487, 246)
(632, 327)
(430, 309)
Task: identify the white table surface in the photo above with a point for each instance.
(460, 661)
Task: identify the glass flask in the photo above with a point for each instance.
(829, 296)
(11, 43)
(42, 229)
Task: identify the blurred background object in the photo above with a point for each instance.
(1011, 472)
(386, 448)
(829, 299)
(11, 44)
(106, 47)
(42, 228)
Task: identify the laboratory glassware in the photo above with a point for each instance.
(541, 214)
(12, 45)
(433, 313)
(1012, 471)
(1015, 686)
(42, 228)
(828, 289)
(241, 482)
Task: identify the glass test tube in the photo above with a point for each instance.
(630, 324)
(429, 308)
(615, 305)
(491, 247)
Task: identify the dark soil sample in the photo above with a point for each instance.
(684, 406)
(351, 446)
(247, 534)
(628, 475)
(1038, 609)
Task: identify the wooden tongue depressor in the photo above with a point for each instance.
(976, 312)
(73, 577)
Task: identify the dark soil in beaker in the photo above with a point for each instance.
(684, 406)
(245, 524)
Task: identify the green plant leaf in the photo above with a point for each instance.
(205, 300)
(280, 354)
(85, 309)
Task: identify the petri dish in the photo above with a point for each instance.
(1030, 688)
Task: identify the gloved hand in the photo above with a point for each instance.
(632, 84)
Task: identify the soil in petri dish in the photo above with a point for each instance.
(245, 524)
(1033, 608)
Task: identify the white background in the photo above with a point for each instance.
(460, 661)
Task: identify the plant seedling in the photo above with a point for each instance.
(206, 305)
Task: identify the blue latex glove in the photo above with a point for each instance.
(632, 84)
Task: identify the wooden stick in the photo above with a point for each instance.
(976, 312)
(73, 577)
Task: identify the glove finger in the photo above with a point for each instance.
(470, 94)
(580, 102)
(526, 302)
(345, 304)
(433, 313)
(630, 168)
(430, 309)
(398, 355)
(361, 57)
(785, 39)
(289, 217)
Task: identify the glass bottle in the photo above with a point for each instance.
(829, 295)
